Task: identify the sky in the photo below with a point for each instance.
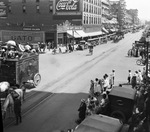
(143, 7)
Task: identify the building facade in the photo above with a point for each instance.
(50, 20)
(128, 20)
(28, 19)
(134, 15)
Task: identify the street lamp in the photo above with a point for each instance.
(147, 47)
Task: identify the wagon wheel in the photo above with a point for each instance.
(138, 62)
(119, 115)
(37, 79)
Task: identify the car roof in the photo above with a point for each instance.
(99, 123)
(124, 92)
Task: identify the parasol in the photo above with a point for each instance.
(4, 86)
(11, 42)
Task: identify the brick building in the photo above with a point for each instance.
(50, 20)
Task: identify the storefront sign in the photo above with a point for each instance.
(3, 10)
(31, 29)
(67, 5)
(23, 36)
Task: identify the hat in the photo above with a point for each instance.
(21, 47)
(28, 47)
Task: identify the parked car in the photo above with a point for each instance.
(101, 123)
(122, 102)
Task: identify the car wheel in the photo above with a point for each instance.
(119, 115)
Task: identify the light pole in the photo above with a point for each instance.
(147, 56)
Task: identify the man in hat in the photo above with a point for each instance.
(17, 109)
(82, 110)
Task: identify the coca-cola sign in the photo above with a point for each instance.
(67, 5)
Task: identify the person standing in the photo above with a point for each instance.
(134, 81)
(147, 108)
(140, 76)
(91, 49)
(82, 111)
(17, 110)
(113, 77)
(49, 46)
(92, 88)
(129, 77)
(96, 87)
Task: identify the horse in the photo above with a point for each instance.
(8, 106)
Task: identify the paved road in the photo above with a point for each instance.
(68, 76)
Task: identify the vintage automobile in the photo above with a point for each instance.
(101, 123)
(122, 102)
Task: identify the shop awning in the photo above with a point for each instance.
(81, 33)
(94, 33)
(112, 30)
(73, 34)
(104, 29)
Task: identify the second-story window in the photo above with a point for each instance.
(38, 9)
(24, 9)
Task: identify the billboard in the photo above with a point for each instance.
(23, 36)
(67, 6)
(3, 10)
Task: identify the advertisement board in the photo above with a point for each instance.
(3, 10)
(67, 6)
(23, 36)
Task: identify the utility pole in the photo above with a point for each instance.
(147, 55)
(1, 120)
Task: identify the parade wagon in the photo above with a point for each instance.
(21, 69)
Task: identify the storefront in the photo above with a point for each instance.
(22, 36)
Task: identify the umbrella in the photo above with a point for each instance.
(11, 42)
(4, 86)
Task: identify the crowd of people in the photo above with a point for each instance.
(98, 96)
(97, 101)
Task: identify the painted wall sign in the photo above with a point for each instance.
(67, 5)
(23, 36)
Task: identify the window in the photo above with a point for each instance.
(50, 8)
(23, 1)
(38, 9)
(37, 0)
(24, 9)
(9, 9)
(84, 18)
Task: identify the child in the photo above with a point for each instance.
(129, 77)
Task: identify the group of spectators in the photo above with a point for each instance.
(98, 96)
(136, 78)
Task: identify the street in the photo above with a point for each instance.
(66, 78)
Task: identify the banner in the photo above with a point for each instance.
(67, 6)
(3, 10)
